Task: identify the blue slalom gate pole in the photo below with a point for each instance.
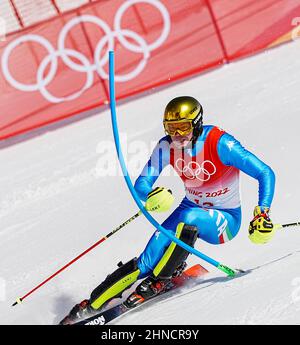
(192, 250)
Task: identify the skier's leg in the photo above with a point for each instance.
(172, 260)
(169, 257)
(112, 287)
(157, 245)
(115, 284)
(175, 255)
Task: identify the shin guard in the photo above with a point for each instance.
(115, 284)
(175, 256)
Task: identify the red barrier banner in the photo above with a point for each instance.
(248, 26)
(59, 67)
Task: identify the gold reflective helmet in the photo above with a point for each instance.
(183, 115)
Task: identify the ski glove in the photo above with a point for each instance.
(159, 200)
(261, 228)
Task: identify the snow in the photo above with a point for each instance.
(54, 203)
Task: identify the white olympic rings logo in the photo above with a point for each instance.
(194, 170)
(85, 66)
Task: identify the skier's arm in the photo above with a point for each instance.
(159, 159)
(232, 153)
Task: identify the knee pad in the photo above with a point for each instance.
(115, 284)
(175, 255)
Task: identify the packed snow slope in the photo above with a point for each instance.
(55, 202)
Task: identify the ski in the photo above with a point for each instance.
(106, 316)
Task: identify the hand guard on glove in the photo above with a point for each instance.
(159, 200)
(261, 228)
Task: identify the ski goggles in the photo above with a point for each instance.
(181, 127)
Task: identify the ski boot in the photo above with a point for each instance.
(179, 270)
(147, 289)
(171, 265)
(152, 286)
(79, 311)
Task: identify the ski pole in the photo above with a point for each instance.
(20, 299)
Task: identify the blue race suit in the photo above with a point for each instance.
(210, 173)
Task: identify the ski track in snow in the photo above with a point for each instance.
(54, 204)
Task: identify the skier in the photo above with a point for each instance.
(208, 161)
